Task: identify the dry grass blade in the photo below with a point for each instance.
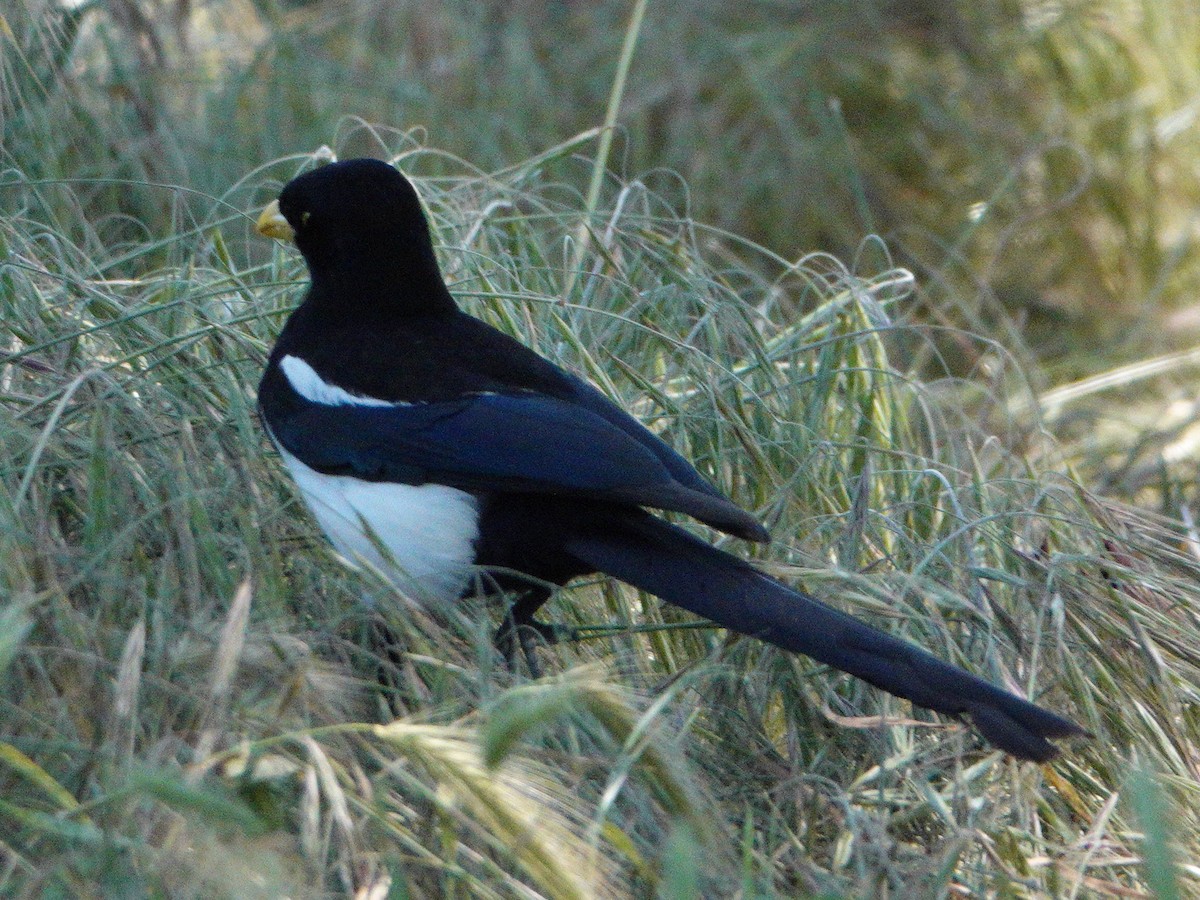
(1031, 166)
(517, 806)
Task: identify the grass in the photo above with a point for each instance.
(190, 703)
(189, 665)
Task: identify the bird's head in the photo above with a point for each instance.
(360, 227)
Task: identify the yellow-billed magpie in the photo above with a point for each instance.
(435, 447)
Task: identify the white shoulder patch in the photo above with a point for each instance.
(308, 384)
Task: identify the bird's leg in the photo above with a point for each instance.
(519, 627)
(389, 659)
(515, 630)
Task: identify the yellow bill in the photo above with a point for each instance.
(272, 224)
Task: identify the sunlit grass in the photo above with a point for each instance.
(190, 666)
(191, 704)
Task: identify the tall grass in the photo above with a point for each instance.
(188, 666)
(1030, 162)
(192, 703)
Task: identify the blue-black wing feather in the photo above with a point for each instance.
(681, 470)
(503, 442)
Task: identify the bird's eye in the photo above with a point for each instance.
(304, 217)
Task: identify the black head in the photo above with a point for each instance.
(360, 227)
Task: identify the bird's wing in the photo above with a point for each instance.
(497, 442)
(681, 470)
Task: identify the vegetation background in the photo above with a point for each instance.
(914, 280)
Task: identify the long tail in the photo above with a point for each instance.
(668, 562)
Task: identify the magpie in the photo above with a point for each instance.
(433, 447)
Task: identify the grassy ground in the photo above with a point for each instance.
(190, 703)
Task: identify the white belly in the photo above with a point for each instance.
(420, 537)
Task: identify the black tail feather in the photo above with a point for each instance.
(668, 562)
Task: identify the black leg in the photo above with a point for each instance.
(389, 660)
(520, 628)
